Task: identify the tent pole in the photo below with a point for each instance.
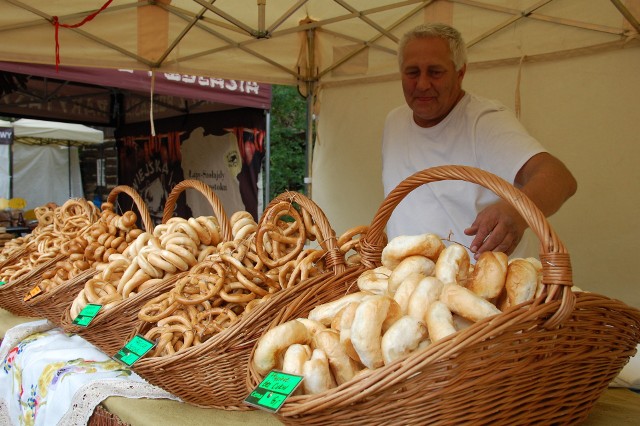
(11, 168)
(267, 166)
(69, 166)
(309, 144)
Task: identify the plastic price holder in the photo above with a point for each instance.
(32, 293)
(87, 314)
(2, 283)
(134, 350)
(271, 393)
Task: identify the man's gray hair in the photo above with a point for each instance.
(443, 31)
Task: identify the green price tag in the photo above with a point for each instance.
(87, 314)
(134, 350)
(271, 393)
(2, 283)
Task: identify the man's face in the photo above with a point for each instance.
(430, 82)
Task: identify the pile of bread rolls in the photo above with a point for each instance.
(422, 293)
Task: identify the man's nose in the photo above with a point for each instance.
(424, 82)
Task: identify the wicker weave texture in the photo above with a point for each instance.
(213, 374)
(12, 293)
(542, 362)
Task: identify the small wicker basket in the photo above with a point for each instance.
(110, 330)
(52, 304)
(212, 373)
(542, 362)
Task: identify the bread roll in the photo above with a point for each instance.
(341, 365)
(403, 293)
(489, 275)
(426, 292)
(375, 281)
(324, 313)
(316, 373)
(521, 282)
(346, 319)
(313, 326)
(452, 266)
(439, 321)
(466, 303)
(402, 338)
(427, 245)
(366, 330)
(409, 265)
(294, 358)
(272, 344)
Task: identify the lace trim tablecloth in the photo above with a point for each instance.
(49, 377)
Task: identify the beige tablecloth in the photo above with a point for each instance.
(616, 407)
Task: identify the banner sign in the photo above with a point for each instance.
(6, 135)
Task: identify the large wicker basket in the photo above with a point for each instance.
(542, 362)
(52, 304)
(12, 294)
(212, 374)
(110, 330)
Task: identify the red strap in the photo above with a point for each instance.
(56, 23)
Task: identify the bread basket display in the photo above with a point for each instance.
(49, 243)
(146, 269)
(110, 235)
(543, 361)
(292, 248)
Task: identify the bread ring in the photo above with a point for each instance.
(138, 278)
(157, 261)
(203, 235)
(274, 342)
(452, 266)
(341, 365)
(521, 282)
(175, 260)
(427, 245)
(294, 358)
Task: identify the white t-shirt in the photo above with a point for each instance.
(479, 133)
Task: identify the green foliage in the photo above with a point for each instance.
(288, 140)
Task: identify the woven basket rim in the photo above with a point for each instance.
(211, 197)
(145, 216)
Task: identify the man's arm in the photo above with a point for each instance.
(546, 181)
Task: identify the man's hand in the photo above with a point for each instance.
(499, 227)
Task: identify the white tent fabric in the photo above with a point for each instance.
(569, 67)
(45, 161)
(41, 174)
(38, 131)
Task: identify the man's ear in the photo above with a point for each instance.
(462, 71)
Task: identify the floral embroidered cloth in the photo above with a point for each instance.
(49, 377)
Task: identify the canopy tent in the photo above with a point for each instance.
(42, 165)
(553, 61)
(114, 97)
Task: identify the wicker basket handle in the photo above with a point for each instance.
(147, 222)
(212, 198)
(556, 265)
(334, 258)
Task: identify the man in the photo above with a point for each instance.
(441, 124)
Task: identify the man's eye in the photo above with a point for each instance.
(412, 73)
(436, 73)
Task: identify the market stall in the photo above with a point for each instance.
(558, 352)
